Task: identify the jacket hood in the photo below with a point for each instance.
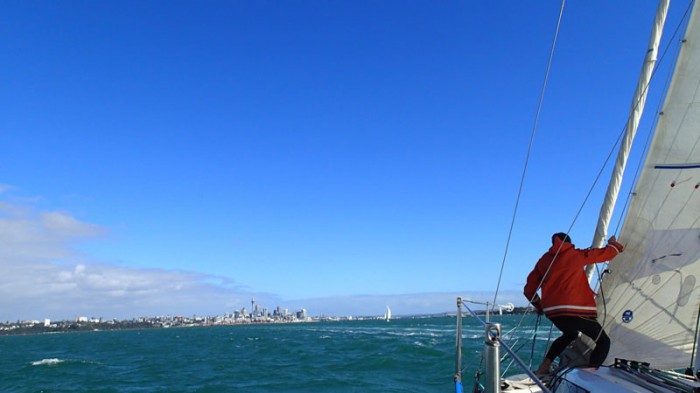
(560, 246)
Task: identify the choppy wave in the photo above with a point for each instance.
(346, 356)
(44, 362)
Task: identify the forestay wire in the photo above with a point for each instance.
(529, 148)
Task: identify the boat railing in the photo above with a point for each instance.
(492, 343)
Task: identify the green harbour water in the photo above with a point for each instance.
(402, 355)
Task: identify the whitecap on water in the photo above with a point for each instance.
(46, 362)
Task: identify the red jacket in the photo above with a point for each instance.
(565, 288)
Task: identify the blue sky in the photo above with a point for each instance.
(179, 157)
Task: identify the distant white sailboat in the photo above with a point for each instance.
(387, 316)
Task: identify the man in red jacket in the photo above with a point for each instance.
(567, 299)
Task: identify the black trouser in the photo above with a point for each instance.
(570, 326)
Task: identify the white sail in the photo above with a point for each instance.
(387, 316)
(649, 301)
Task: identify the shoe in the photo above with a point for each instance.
(544, 377)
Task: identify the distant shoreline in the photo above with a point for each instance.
(68, 327)
(75, 327)
(31, 328)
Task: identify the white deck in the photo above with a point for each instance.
(611, 379)
(580, 380)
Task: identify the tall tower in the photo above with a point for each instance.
(252, 308)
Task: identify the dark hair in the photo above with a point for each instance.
(561, 236)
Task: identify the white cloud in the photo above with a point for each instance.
(44, 277)
(5, 188)
(64, 226)
(35, 290)
(26, 234)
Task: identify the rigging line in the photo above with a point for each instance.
(534, 339)
(529, 149)
(695, 341)
(516, 340)
(512, 359)
(549, 340)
